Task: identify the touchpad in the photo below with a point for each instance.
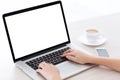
(68, 68)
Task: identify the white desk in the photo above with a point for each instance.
(108, 25)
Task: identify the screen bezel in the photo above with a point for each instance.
(30, 9)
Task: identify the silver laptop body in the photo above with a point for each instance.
(38, 31)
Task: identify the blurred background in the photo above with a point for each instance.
(74, 9)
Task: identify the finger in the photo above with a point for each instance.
(67, 54)
(71, 58)
(48, 64)
(67, 51)
(42, 65)
(39, 71)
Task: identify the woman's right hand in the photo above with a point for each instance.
(77, 56)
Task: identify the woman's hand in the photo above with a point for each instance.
(49, 71)
(76, 56)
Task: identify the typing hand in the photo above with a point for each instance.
(49, 71)
(76, 56)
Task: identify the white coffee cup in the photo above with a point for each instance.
(92, 35)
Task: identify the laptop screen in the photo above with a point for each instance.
(36, 29)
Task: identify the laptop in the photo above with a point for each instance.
(39, 34)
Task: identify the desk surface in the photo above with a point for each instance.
(107, 25)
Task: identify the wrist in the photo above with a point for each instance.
(97, 60)
(92, 59)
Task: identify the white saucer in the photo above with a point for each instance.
(85, 41)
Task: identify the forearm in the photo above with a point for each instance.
(108, 62)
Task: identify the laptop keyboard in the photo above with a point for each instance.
(53, 58)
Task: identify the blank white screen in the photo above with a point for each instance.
(36, 30)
